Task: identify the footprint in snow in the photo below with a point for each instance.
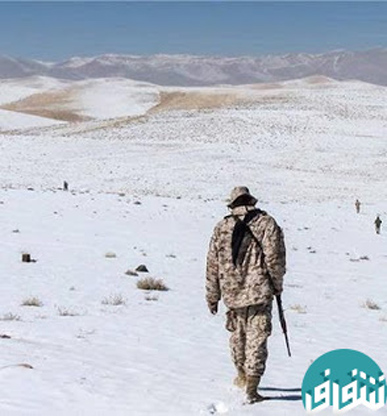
(219, 407)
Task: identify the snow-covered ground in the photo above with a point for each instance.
(306, 143)
(306, 155)
(11, 119)
(90, 99)
(17, 89)
(103, 99)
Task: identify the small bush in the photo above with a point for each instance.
(114, 300)
(66, 312)
(32, 302)
(370, 304)
(149, 283)
(110, 255)
(383, 319)
(10, 317)
(151, 298)
(298, 308)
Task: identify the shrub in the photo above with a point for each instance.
(370, 304)
(149, 283)
(33, 301)
(10, 317)
(66, 312)
(114, 300)
(298, 308)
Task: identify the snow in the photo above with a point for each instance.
(307, 157)
(95, 99)
(108, 98)
(14, 90)
(10, 120)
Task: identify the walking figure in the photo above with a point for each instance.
(378, 223)
(245, 268)
(357, 205)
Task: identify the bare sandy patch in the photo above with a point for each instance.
(56, 105)
(213, 99)
(194, 100)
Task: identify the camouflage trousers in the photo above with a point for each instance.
(250, 328)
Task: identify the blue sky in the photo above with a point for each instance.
(56, 30)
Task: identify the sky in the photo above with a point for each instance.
(54, 31)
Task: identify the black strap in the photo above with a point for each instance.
(240, 230)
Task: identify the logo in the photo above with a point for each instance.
(343, 379)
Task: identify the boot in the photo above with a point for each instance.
(251, 390)
(240, 379)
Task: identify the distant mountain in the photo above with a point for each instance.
(20, 68)
(187, 70)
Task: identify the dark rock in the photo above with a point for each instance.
(142, 268)
(26, 258)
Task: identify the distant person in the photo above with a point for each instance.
(378, 223)
(245, 268)
(357, 205)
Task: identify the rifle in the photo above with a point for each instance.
(283, 322)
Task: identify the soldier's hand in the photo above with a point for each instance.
(213, 307)
(277, 292)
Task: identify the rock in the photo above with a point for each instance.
(131, 273)
(26, 258)
(142, 268)
(25, 365)
(110, 255)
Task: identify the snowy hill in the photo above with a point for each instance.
(186, 70)
(148, 190)
(328, 136)
(77, 100)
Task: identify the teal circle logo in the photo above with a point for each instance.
(344, 379)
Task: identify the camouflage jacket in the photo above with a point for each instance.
(248, 282)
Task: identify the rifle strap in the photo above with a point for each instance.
(240, 229)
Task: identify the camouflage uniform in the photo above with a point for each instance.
(251, 327)
(246, 288)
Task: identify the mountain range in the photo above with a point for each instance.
(189, 70)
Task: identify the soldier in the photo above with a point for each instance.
(378, 223)
(357, 205)
(245, 267)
